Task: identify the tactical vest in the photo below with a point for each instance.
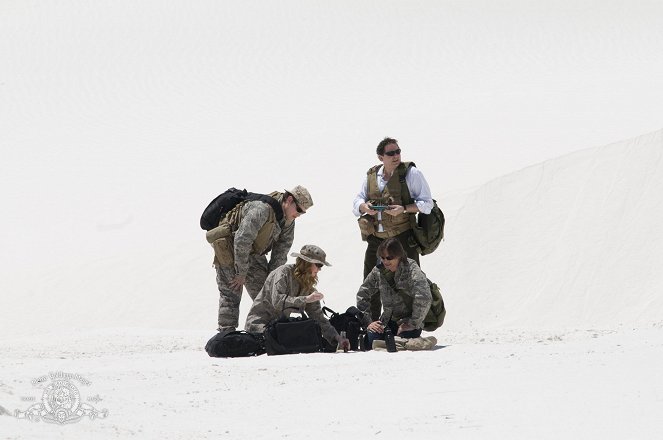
(222, 243)
(391, 195)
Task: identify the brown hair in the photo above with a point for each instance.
(386, 141)
(392, 246)
(303, 275)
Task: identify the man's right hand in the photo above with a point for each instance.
(375, 327)
(237, 283)
(367, 208)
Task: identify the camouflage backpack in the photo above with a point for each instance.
(435, 316)
(427, 229)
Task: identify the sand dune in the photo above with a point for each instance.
(571, 242)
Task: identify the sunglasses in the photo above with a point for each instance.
(389, 257)
(392, 152)
(319, 265)
(299, 209)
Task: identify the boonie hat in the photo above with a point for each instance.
(312, 254)
(302, 197)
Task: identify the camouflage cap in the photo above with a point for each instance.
(302, 197)
(312, 254)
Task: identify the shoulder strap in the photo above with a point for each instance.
(403, 168)
(372, 172)
(374, 169)
(371, 180)
(328, 312)
(271, 201)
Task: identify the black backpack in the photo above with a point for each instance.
(225, 202)
(348, 322)
(235, 344)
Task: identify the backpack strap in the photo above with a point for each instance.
(403, 168)
(406, 199)
(328, 312)
(271, 201)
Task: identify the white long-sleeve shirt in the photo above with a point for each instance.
(416, 183)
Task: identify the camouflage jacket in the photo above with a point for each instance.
(409, 282)
(254, 215)
(280, 291)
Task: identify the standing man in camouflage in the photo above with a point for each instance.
(241, 241)
(383, 187)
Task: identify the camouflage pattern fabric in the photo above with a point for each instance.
(280, 291)
(408, 280)
(229, 299)
(412, 344)
(254, 216)
(248, 264)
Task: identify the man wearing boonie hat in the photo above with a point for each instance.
(293, 286)
(243, 238)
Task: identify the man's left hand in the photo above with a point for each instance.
(395, 210)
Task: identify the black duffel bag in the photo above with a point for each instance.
(290, 335)
(235, 344)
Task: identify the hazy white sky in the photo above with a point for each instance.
(472, 89)
(113, 112)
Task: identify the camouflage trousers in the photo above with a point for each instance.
(229, 299)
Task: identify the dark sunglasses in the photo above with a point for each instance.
(319, 265)
(389, 257)
(299, 210)
(393, 152)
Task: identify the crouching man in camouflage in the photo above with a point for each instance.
(244, 236)
(293, 285)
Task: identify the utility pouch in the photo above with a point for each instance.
(224, 252)
(223, 230)
(366, 226)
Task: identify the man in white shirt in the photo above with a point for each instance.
(384, 210)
